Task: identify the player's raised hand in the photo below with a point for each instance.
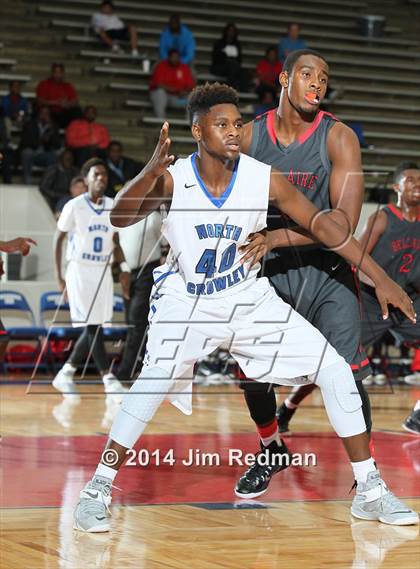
(18, 245)
(389, 292)
(161, 158)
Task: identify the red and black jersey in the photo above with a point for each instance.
(304, 162)
(397, 250)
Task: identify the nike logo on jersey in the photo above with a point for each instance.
(100, 519)
(94, 496)
(335, 267)
(190, 186)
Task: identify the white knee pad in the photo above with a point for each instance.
(341, 399)
(140, 404)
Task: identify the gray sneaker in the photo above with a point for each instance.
(373, 501)
(92, 512)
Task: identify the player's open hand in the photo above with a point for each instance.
(258, 245)
(20, 245)
(388, 292)
(161, 158)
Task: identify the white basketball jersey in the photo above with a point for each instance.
(90, 238)
(205, 232)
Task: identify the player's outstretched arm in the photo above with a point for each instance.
(144, 193)
(18, 245)
(326, 230)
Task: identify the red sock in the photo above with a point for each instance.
(269, 433)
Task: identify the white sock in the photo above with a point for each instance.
(69, 368)
(361, 469)
(274, 437)
(290, 405)
(417, 405)
(106, 471)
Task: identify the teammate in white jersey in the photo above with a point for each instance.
(92, 241)
(206, 299)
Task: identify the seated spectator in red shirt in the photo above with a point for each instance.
(86, 137)
(170, 84)
(111, 29)
(59, 95)
(268, 71)
(39, 143)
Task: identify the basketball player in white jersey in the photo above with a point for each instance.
(92, 241)
(206, 298)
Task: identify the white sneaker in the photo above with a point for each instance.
(373, 501)
(113, 386)
(116, 48)
(64, 383)
(413, 378)
(135, 53)
(92, 512)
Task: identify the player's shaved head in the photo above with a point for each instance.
(204, 97)
(293, 57)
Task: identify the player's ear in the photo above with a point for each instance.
(284, 79)
(396, 188)
(196, 132)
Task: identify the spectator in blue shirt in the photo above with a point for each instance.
(15, 107)
(177, 36)
(292, 42)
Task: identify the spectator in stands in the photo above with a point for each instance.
(227, 59)
(15, 107)
(268, 71)
(170, 84)
(77, 188)
(39, 143)
(266, 102)
(111, 29)
(292, 42)
(177, 36)
(6, 154)
(55, 182)
(86, 137)
(120, 168)
(59, 95)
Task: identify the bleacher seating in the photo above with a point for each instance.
(378, 77)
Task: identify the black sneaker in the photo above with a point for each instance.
(256, 479)
(284, 414)
(412, 423)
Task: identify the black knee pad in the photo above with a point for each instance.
(367, 414)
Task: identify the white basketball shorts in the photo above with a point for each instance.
(270, 341)
(90, 293)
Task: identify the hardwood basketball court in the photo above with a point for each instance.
(171, 515)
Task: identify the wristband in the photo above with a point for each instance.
(125, 267)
